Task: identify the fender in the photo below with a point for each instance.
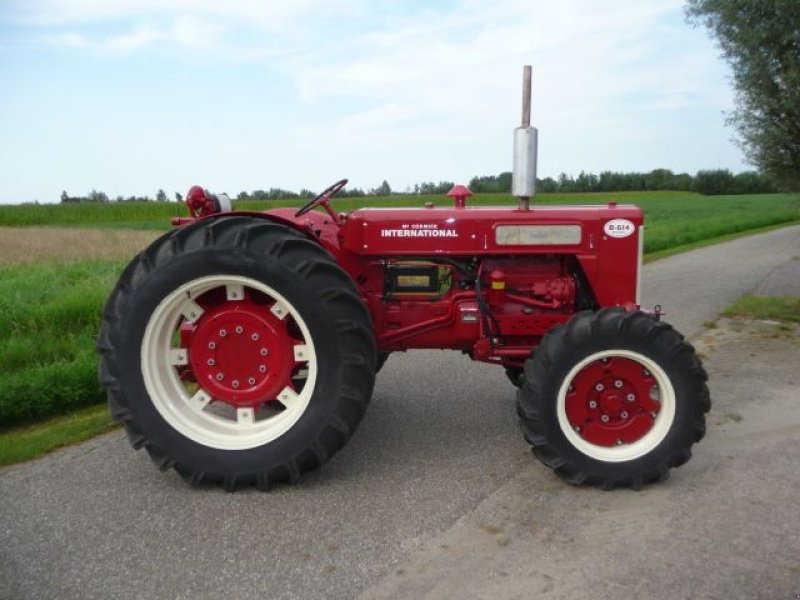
(315, 226)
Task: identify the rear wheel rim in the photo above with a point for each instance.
(248, 406)
(616, 405)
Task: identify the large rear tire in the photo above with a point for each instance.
(236, 351)
(613, 398)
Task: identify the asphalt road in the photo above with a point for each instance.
(724, 526)
(439, 441)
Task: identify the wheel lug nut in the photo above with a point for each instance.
(653, 415)
(251, 380)
(645, 372)
(211, 362)
(624, 414)
(239, 329)
(630, 397)
(592, 403)
(577, 428)
(618, 442)
(618, 383)
(262, 368)
(222, 333)
(220, 376)
(235, 383)
(604, 418)
(254, 337)
(264, 352)
(599, 387)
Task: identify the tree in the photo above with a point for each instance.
(161, 195)
(660, 179)
(761, 41)
(95, 196)
(382, 190)
(546, 185)
(714, 182)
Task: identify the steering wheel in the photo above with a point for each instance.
(322, 199)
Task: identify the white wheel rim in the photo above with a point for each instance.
(624, 452)
(191, 413)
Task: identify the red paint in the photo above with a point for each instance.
(497, 288)
(199, 202)
(241, 353)
(609, 402)
(541, 281)
(459, 194)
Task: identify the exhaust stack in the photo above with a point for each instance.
(523, 181)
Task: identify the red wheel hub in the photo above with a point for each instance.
(241, 353)
(612, 401)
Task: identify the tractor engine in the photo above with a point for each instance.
(494, 309)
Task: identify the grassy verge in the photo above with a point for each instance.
(49, 316)
(659, 254)
(777, 308)
(30, 441)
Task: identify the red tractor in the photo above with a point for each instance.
(241, 348)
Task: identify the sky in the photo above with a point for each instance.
(131, 96)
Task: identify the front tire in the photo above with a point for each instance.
(236, 351)
(613, 398)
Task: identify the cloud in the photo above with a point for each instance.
(461, 66)
(186, 31)
(129, 41)
(193, 31)
(272, 14)
(404, 89)
(671, 102)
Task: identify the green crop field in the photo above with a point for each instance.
(672, 218)
(50, 306)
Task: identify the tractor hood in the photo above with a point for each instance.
(493, 230)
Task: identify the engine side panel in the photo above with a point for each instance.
(604, 239)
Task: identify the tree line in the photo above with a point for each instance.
(102, 197)
(710, 182)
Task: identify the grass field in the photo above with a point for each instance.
(672, 218)
(50, 316)
(53, 281)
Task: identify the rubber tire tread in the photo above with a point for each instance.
(515, 376)
(244, 242)
(609, 328)
(381, 360)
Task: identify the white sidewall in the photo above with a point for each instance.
(169, 395)
(624, 452)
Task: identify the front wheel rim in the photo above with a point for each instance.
(170, 366)
(618, 424)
